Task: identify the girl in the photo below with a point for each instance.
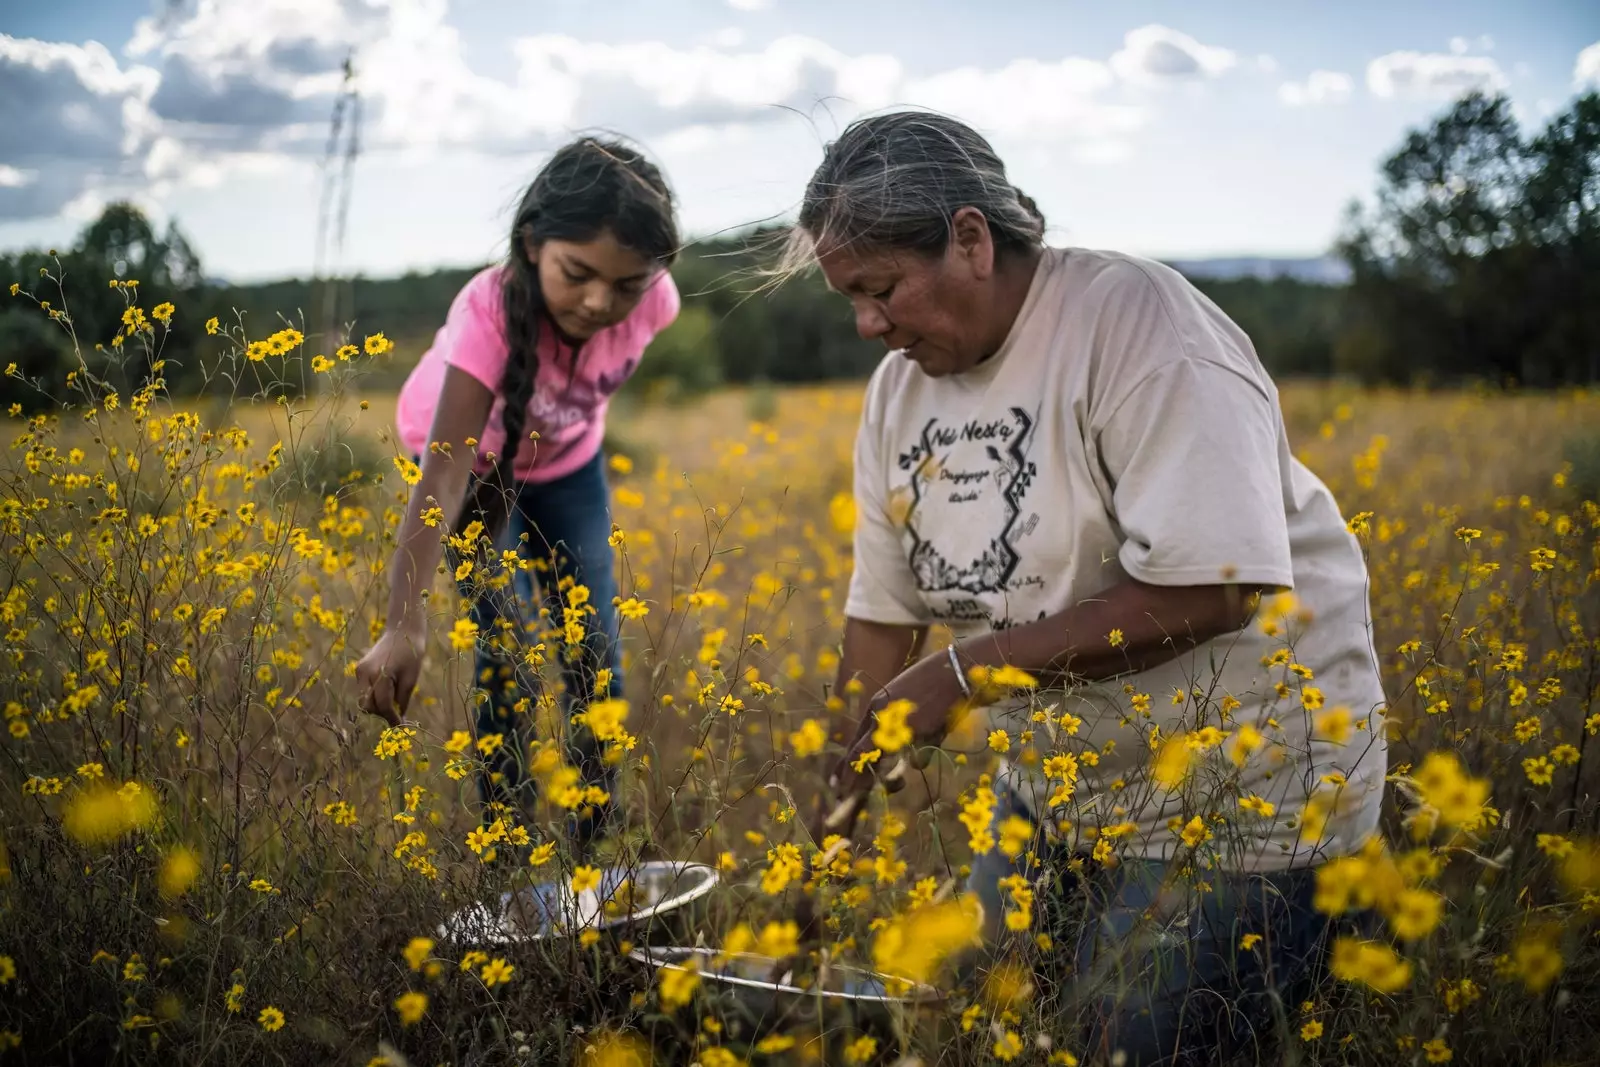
(508, 408)
(1076, 462)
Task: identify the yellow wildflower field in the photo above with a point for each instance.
(209, 854)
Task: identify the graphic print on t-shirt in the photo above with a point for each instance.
(967, 485)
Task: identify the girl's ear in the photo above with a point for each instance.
(530, 247)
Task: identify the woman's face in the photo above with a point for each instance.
(937, 310)
(589, 285)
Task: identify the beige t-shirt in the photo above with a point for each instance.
(1127, 429)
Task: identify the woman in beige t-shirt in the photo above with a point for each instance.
(1076, 462)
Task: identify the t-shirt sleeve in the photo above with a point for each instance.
(474, 331)
(661, 305)
(1194, 459)
(882, 588)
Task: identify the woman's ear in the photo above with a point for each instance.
(971, 242)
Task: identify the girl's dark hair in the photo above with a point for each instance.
(894, 181)
(588, 187)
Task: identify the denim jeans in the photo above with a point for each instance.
(568, 526)
(1142, 960)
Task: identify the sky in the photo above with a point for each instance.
(1167, 129)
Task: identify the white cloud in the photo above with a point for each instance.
(1586, 71)
(1030, 96)
(70, 115)
(1462, 45)
(226, 90)
(1155, 53)
(749, 5)
(1432, 75)
(1320, 87)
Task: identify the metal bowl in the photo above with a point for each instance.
(657, 890)
(745, 986)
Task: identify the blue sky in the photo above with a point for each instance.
(1165, 129)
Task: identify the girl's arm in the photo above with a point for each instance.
(463, 411)
(388, 673)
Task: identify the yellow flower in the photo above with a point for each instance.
(1195, 832)
(892, 733)
(585, 878)
(1015, 833)
(212, 325)
(1538, 769)
(1172, 762)
(633, 608)
(271, 1019)
(162, 313)
(914, 945)
(1437, 1051)
(810, 739)
(321, 364)
(417, 951)
(1311, 1031)
(1115, 638)
(861, 1050)
(541, 854)
(464, 635)
(677, 986)
(1252, 803)
(496, 972)
(1249, 941)
(411, 1007)
(100, 813)
(1535, 958)
(378, 344)
(999, 741)
(410, 473)
(178, 873)
(1334, 725)
(779, 939)
(1415, 913)
(1371, 962)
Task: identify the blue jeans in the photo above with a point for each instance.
(567, 523)
(1141, 960)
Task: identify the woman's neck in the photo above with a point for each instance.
(1013, 278)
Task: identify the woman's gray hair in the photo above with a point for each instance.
(894, 181)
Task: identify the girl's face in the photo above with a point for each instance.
(589, 285)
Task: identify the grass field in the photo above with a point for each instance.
(209, 855)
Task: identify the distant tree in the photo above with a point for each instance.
(1479, 257)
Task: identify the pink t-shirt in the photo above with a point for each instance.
(568, 408)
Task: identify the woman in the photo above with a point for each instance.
(1077, 463)
(508, 406)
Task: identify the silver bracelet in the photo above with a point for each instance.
(961, 678)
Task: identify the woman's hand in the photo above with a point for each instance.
(935, 694)
(387, 674)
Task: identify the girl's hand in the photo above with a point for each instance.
(387, 674)
(935, 694)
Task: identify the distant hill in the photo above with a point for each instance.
(1318, 270)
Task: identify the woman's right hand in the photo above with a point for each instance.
(387, 674)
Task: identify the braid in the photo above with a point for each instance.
(524, 305)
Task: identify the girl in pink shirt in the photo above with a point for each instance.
(506, 413)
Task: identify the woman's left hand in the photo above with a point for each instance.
(934, 692)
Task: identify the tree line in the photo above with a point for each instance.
(1478, 259)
